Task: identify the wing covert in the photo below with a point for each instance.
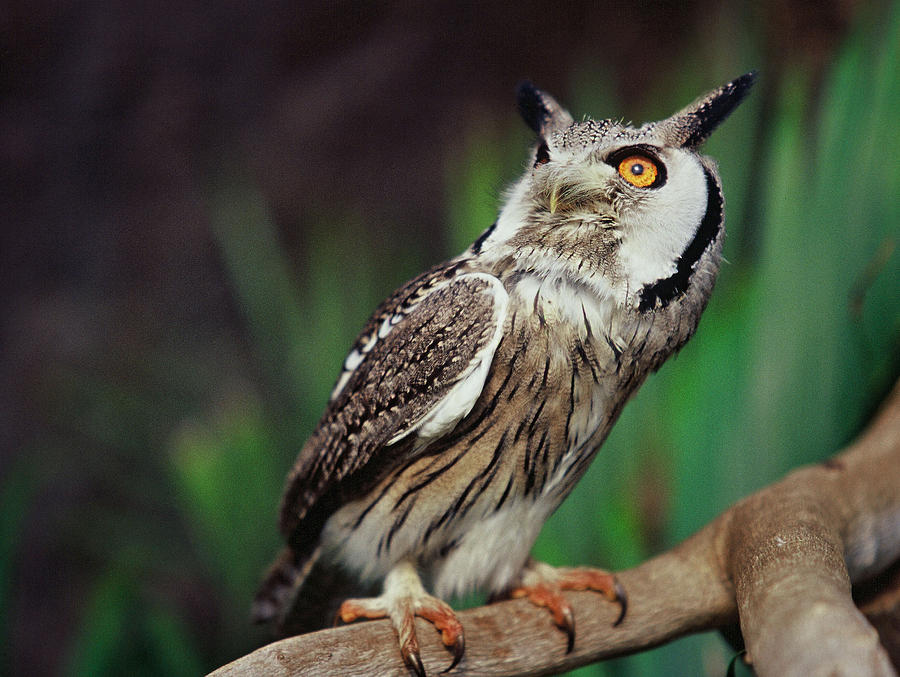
(419, 373)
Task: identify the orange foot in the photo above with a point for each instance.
(403, 599)
(543, 585)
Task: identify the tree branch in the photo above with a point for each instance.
(794, 548)
(780, 561)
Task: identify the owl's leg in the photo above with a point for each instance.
(543, 584)
(403, 599)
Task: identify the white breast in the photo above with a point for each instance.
(493, 549)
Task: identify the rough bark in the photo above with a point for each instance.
(781, 562)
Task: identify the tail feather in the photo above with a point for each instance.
(275, 590)
(299, 597)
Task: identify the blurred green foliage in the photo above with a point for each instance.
(123, 629)
(800, 342)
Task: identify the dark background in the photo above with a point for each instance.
(202, 202)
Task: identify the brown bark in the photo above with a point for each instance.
(781, 562)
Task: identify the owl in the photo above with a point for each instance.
(479, 392)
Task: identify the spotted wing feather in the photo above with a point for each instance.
(422, 371)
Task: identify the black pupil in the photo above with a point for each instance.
(637, 169)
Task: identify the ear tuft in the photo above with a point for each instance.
(693, 125)
(540, 111)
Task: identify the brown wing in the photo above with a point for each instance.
(414, 374)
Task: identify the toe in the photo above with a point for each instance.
(354, 609)
(599, 581)
(445, 621)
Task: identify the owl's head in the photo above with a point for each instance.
(635, 212)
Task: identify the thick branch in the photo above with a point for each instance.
(783, 558)
(794, 548)
(518, 638)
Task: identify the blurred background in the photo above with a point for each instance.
(202, 202)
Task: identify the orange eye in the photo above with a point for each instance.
(639, 171)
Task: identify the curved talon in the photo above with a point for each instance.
(622, 599)
(568, 626)
(459, 648)
(414, 662)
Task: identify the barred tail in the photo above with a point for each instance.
(298, 597)
(275, 590)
